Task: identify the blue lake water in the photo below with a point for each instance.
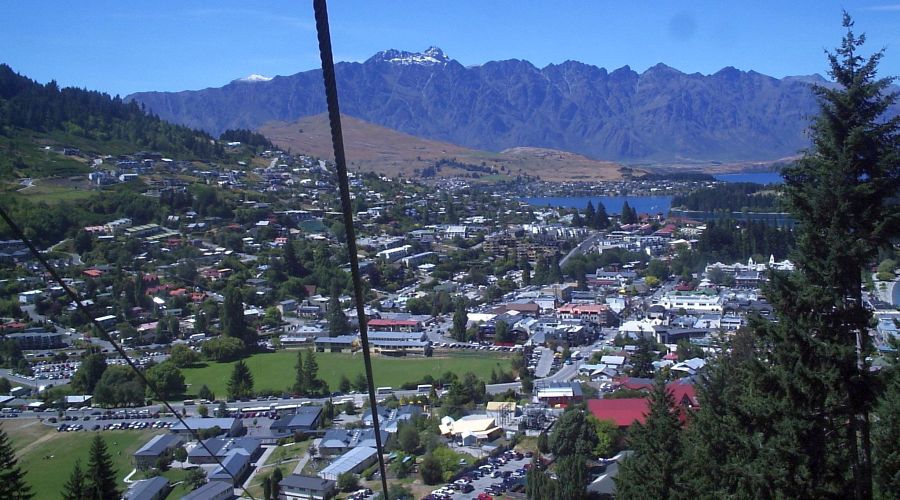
(754, 177)
(613, 204)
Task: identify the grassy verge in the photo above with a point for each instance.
(275, 371)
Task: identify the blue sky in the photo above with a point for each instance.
(123, 47)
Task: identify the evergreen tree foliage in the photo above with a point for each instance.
(76, 487)
(460, 318)
(100, 474)
(573, 434)
(885, 436)
(601, 218)
(811, 368)
(233, 322)
(12, 479)
(337, 320)
(300, 381)
(240, 385)
(430, 469)
(652, 470)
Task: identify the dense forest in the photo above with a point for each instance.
(732, 197)
(26, 104)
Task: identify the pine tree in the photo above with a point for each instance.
(311, 372)
(337, 320)
(601, 218)
(75, 488)
(590, 215)
(300, 381)
(100, 474)
(240, 385)
(885, 436)
(526, 272)
(292, 264)
(652, 470)
(460, 319)
(815, 374)
(12, 479)
(233, 322)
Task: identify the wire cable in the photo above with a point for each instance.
(337, 139)
(75, 296)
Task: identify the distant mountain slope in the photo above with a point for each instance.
(661, 114)
(375, 148)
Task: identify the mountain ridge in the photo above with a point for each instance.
(661, 114)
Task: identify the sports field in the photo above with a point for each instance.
(275, 371)
(47, 456)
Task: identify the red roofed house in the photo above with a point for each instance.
(623, 412)
(92, 273)
(594, 313)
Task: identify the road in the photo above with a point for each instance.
(544, 364)
(581, 248)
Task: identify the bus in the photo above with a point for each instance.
(383, 391)
(423, 389)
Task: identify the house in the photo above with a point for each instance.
(231, 427)
(383, 414)
(216, 490)
(482, 427)
(36, 338)
(156, 488)
(355, 460)
(300, 487)
(220, 448)
(337, 441)
(337, 343)
(622, 412)
(157, 447)
(234, 469)
(559, 393)
(306, 419)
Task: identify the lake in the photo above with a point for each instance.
(613, 204)
(754, 177)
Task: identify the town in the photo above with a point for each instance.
(487, 317)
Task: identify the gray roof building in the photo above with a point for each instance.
(216, 490)
(306, 419)
(148, 489)
(222, 447)
(158, 446)
(299, 486)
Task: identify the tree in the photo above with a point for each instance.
(12, 479)
(573, 435)
(5, 385)
(183, 356)
(408, 437)
(292, 264)
(311, 373)
(89, 373)
(606, 431)
(222, 348)
(240, 385)
(501, 332)
(360, 384)
(166, 379)
(642, 360)
(195, 478)
(629, 215)
(203, 411)
(885, 436)
(119, 386)
(233, 322)
(430, 470)
(206, 393)
(100, 474)
(572, 477)
(347, 482)
(337, 320)
(811, 367)
(543, 443)
(652, 470)
(344, 385)
(75, 488)
(460, 318)
(590, 215)
(300, 380)
(277, 476)
(601, 218)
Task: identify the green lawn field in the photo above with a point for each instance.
(48, 456)
(275, 371)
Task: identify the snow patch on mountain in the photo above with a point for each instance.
(255, 78)
(431, 56)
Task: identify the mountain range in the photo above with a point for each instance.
(660, 115)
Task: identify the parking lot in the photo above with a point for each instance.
(498, 476)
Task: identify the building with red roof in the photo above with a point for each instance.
(393, 325)
(623, 412)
